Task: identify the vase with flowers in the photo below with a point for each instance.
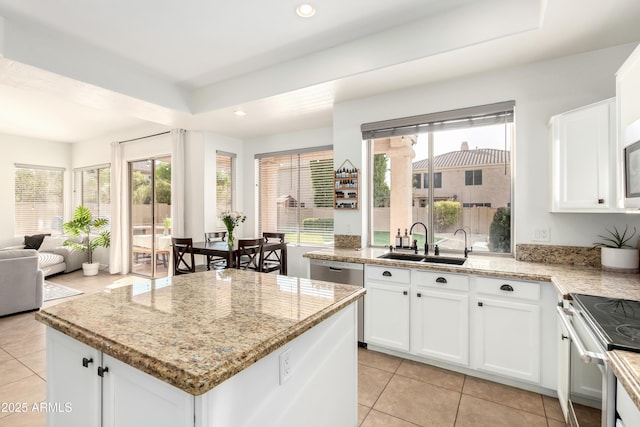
(231, 220)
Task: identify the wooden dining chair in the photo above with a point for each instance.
(272, 259)
(183, 259)
(215, 261)
(249, 254)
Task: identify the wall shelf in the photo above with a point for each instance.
(346, 180)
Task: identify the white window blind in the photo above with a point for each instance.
(39, 204)
(296, 195)
(224, 186)
(93, 190)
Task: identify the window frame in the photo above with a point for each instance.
(78, 188)
(233, 164)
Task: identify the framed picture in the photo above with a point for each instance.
(632, 169)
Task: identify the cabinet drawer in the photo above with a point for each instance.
(388, 274)
(436, 280)
(508, 288)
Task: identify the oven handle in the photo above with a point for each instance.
(585, 355)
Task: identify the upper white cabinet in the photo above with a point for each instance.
(584, 158)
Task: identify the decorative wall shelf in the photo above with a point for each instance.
(346, 180)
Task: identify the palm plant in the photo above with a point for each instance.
(83, 225)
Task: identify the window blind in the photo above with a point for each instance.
(38, 199)
(295, 191)
(224, 186)
(483, 115)
(92, 188)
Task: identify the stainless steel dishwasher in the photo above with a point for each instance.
(341, 272)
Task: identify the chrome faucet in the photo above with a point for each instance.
(466, 251)
(426, 237)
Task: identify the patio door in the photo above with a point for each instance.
(150, 210)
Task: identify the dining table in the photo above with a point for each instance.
(221, 249)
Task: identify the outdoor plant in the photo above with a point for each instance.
(84, 226)
(500, 231)
(615, 239)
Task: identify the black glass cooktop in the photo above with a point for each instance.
(617, 320)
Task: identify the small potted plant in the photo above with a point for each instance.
(616, 252)
(92, 234)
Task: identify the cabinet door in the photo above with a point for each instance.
(73, 385)
(440, 325)
(132, 398)
(386, 310)
(508, 338)
(564, 353)
(582, 173)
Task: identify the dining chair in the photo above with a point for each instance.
(272, 259)
(183, 258)
(249, 254)
(217, 262)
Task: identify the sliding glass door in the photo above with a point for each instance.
(150, 208)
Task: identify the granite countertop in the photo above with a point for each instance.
(194, 331)
(567, 279)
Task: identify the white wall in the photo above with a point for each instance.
(540, 91)
(28, 151)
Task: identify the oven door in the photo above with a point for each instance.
(584, 377)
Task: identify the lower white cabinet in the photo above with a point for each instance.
(386, 308)
(507, 328)
(440, 317)
(628, 413)
(123, 396)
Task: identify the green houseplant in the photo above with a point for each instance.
(616, 254)
(92, 235)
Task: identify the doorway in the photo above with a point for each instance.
(150, 210)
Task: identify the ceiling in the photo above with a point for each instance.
(75, 71)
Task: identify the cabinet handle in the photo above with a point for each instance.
(441, 280)
(101, 371)
(405, 293)
(419, 295)
(506, 287)
(564, 337)
(601, 201)
(85, 362)
(386, 273)
(480, 304)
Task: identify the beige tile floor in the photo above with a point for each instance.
(392, 392)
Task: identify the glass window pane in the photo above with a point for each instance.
(224, 187)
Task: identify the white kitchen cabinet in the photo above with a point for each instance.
(440, 316)
(123, 396)
(74, 386)
(584, 154)
(507, 328)
(386, 307)
(628, 413)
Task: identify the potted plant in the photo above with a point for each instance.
(616, 252)
(92, 234)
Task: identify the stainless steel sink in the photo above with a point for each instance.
(421, 258)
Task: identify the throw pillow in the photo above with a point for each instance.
(49, 243)
(34, 242)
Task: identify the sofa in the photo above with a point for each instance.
(53, 256)
(21, 281)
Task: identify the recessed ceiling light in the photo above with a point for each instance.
(305, 10)
(239, 113)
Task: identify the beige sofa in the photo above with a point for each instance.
(21, 281)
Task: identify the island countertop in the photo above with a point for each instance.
(194, 331)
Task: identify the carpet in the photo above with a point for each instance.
(56, 290)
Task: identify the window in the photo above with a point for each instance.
(295, 195)
(470, 161)
(92, 188)
(473, 177)
(437, 180)
(417, 183)
(224, 185)
(39, 199)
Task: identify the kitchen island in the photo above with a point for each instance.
(222, 348)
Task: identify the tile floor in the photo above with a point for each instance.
(392, 392)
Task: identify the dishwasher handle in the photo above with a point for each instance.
(586, 355)
(336, 269)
